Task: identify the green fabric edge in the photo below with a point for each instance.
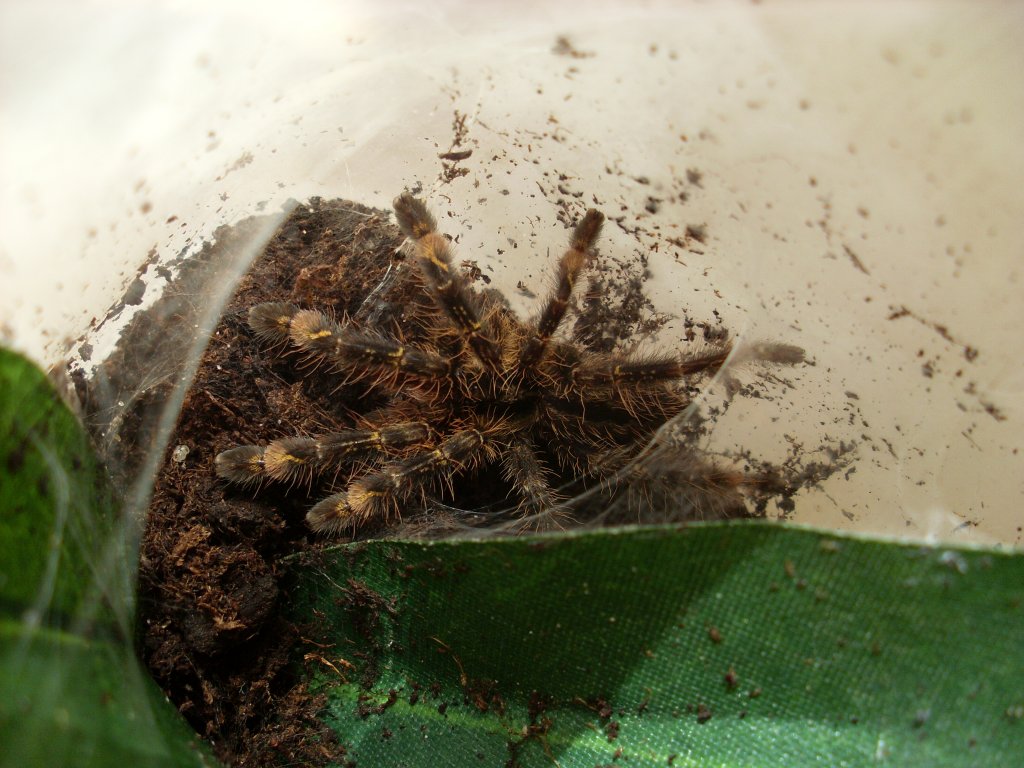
(72, 692)
(738, 644)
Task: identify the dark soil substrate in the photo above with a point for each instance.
(211, 577)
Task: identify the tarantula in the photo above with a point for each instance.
(476, 386)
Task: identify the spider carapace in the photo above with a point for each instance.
(473, 386)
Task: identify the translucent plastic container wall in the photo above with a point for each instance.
(841, 176)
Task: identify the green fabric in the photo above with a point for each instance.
(71, 690)
(718, 645)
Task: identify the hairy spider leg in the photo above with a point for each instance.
(617, 371)
(271, 321)
(356, 354)
(692, 482)
(299, 459)
(524, 471)
(569, 268)
(449, 289)
(638, 381)
(242, 465)
(379, 494)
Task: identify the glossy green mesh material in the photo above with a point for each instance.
(718, 645)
